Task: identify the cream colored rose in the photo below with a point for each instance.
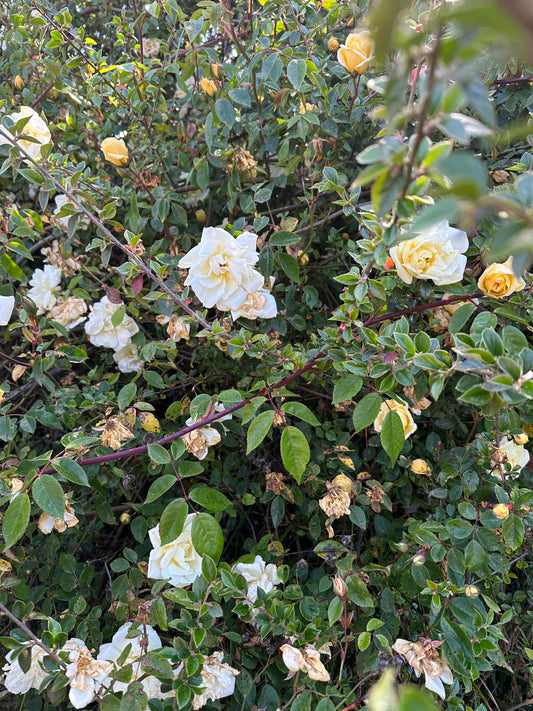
(127, 359)
(69, 313)
(17, 681)
(218, 680)
(7, 304)
(34, 128)
(220, 268)
(100, 329)
(499, 280)
(307, 660)
(357, 54)
(177, 560)
(258, 575)
(86, 675)
(45, 289)
(423, 656)
(146, 641)
(260, 304)
(151, 47)
(511, 453)
(408, 423)
(115, 151)
(435, 254)
(177, 328)
(47, 523)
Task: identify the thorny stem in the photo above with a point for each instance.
(132, 257)
(30, 634)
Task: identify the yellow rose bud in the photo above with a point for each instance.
(521, 438)
(200, 216)
(333, 44)
(500, 511)
(340, 588)
(215, 69)
(499, 280)
(419, 559)
(115, 151)
(419, 466)
(18, 82)
(358, 52)
(471, 591)
(209, 86)
(125, 517)
(344, 482)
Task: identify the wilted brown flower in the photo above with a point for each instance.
(336, 502)
(47, 523)
(54, 255)
(69, 313)
(115, 433)
(306, 660)
(176, 327)
(424, 657)
(275, 482)
(376, 496)
(198, 441)
(419, 405)
(278, 419)
(243, 160)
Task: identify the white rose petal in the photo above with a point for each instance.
(218, 679)
(17, 681)
(45, 290)
(258, 575)
(127, 359)
(178, 560)
(101, 331)
(87, 676)
(435, 254)
(7, 304)
(260, 304)
(35, 128)
(220, 268)
(517, 456)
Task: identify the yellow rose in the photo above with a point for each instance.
(499, 280)
(209, 86)
(419, 466)
(500, 511)
(408, 423)
(115, 151)
(521, 438)
(358, 52)
(333, 44)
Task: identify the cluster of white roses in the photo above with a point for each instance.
(91, 677)
(221, 274)
(106, 330)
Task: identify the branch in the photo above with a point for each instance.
(30, 634)
(512, 80)
(422, 307)
(132, 257)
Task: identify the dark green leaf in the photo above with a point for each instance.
(16, 519)
(160, 486)
(295, 452)
(210, 499)
(172, 520)
(347, 387)
(258, 430)
(392, 435)
(49, 496)
(366, 411)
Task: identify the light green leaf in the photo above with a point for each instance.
(296, 70)
(159, 487)
(172, 520)
(295, 452)
(392, 435)
(513, 531)
(301, 411)
(210, 499)
(158, 454)
(357, 592)
(207, 536)
(258, 430)
(347, 387)
(71, 470)
(49, 496)
(225, 112)
(366, 411)
(290, 266)
(16, 519)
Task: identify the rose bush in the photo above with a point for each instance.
(264, 420)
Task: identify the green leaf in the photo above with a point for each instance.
(296, 70)
(49, 496)
(158, 454)
(347, 387)
(357, 592)
(334, 610)
(126, 395)
(172, 520)
(460, 317)
(392, 435)
(16, 519)
(225, 112)
(159, 487)
(134, 698)
(258, 430)
(12, 268)
(513, 531)
(297, 409)
(475, 556)
(155, 665)
(210, 499)
(290, 266)
(283, 238)
(363, 640)
(207, 536)
(295, 452)
(71, 470)
(366, 411)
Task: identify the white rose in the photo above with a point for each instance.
(435, 254)
(517, 456)
(178, 560)
(111, 651)
(100, 329)
(198, 441)
(260, 304)
(258, 575)
(220, 268)
(218, 679)
(87, 676)
(127, 359)
(45, 288)
(151, 47)
(7, 304)
(292, 658)
(17, 681)
(69, 313)
(35, 128)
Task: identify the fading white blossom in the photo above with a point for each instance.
(69, 313)
(35, 128)
(100, 329)
(178, 560)
(18, 681)
(423, 656)
(87, 676)
(257, 575)
(45, 289)
(218, 680)
(48, 523)
(127, 359)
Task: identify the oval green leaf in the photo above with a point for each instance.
(207, 536)
(295, 452)
(48, 495)
(16, 519)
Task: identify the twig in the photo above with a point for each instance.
(131, 256)
(421, 307)
(43, 93)
(30, 634)
(512, 80)
(527, 702)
